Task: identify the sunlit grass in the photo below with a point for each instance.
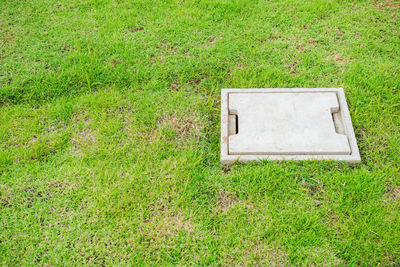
(109, 133)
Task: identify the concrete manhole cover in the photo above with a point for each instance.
(286, 124)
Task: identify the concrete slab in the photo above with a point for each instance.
(286, 124)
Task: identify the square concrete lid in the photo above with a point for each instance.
(286, 124)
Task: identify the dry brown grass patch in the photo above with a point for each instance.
(84, 137)
(60, 186)
(226, 200)
(184, 126)
(275, 256)
(5, 195)
(338, 58)
(164, 223)
(81, 140)
(393, 192)
(8, 38)
(211, 41)
(136, 29)
(173, 223)
(382, 5)
(175, 86)
(263, 254)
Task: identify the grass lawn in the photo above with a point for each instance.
(109, 133)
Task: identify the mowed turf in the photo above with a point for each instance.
(109, 133)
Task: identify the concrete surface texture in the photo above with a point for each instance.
(286, 124)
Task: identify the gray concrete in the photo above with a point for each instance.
(286, 124)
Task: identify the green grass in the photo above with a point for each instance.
(109, 133)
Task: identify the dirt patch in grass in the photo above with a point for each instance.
(65, 48)
(292, 67)
(33, 140)
(211, 41)
(84, 137)
(227, 200)
(5, 195)
(316, 192)
(276, 257)
(173, 223)
(393, 192)
(184, 126)
(323, 253)
(171, 48)
(5, 201)
(263, 254)
(177, 127)
(81, 140)
(300, 48)
(8, 38)
(137, 29)
(382, 5)
(164, 223)
(196, 81)
(338, 59)
(175, 86)
(115, 63)
(60, 186)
